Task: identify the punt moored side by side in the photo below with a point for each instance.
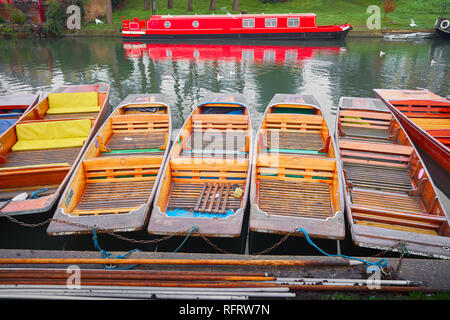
(206, 179)
(113, 186)
(391, 201)
(40, 151)
(295, 176)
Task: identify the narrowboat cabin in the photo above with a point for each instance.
(295, 176)
(293, 26)
(12, 107)
(425, 116)
(40, 151)
(113, 186)
(206, 179)
(391, 200)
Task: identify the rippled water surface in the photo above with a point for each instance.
(185, 72)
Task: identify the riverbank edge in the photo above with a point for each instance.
(352, 34)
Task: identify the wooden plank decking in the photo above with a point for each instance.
(295, 198)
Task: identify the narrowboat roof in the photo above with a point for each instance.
(294, 99)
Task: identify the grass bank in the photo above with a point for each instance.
(424, 13)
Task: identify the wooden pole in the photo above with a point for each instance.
(229, 262)
(108, 12)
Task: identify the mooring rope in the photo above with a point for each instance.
(380, 264)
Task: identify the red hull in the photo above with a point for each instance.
(405, 109)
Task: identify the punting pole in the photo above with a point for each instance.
(223, 262)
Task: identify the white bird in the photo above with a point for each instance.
(382, 53)
(98, 21)
(412, 24)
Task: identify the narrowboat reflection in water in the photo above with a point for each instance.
(251, 52)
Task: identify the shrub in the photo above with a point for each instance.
(18, 16)
(56, 17)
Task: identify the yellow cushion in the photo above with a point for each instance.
(73, 102)
(51, 134)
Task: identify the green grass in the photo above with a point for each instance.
(354, 12)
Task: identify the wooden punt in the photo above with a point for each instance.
(295, 175)
(390, 196)
(208, 166)
(40, 151)
(425, 116)
(12, 107)
(113, 186)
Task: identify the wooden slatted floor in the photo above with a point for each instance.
(378, 177)
(366, 134)
(136, 140)
(39, 157)
(111, 197)
(294, 140)
(203, 197)
(218, 144)
(295, 198)
(383, 200)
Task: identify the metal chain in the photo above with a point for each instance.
(275, 245)
(389, 272)
(214, 245)
(118, 236)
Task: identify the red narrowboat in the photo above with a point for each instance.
(292, 26)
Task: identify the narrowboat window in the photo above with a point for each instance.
(195, 24)
(271, 22)
(248, 23)
(167, 24)
(293, 22)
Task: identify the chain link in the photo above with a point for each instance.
(118, 236)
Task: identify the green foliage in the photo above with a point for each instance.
(56, 18)
(18, 16)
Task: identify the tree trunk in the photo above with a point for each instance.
(146, 4)
(108, 12)
(169, 4)
(212, 5)
(190, 8)
(235, 5)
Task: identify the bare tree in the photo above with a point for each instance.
(108, 12)
(235, 5)
(212, 5)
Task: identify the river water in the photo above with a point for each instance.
(187, 71)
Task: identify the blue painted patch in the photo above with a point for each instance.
(182, 213)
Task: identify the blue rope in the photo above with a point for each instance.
(108, 255)
(194, 228)
(33, 195)
(380, 264)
